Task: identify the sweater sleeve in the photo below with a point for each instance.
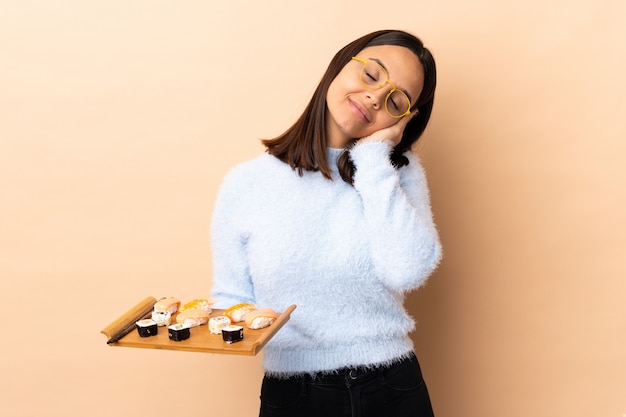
(404, 242)
(232, 283)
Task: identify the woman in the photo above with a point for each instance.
(336, 219)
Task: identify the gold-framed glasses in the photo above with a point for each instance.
(374, 76)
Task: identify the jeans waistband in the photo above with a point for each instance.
(355, 373)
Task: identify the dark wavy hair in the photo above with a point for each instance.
(303, 146)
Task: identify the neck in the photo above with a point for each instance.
(336, 138)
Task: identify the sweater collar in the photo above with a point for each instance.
(333, 155)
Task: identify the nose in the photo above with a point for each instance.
(377, 97)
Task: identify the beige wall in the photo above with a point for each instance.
(118, 120)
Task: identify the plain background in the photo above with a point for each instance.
(118, 120)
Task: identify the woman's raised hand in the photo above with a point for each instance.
(392, 133)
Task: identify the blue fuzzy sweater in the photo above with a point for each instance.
(344, 255)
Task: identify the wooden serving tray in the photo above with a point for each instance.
(122, 332)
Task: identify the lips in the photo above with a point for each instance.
(359, 110)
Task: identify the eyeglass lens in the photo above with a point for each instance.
(374, 76)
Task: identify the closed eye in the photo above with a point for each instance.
(393, 103)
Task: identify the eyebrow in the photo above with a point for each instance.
(379, 62)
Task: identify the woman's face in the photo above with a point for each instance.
(356, 110)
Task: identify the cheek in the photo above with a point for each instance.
(343, 85)
(331, 93)
(382, 123)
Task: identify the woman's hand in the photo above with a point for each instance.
(391, 134)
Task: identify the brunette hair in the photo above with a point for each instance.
(303, 146)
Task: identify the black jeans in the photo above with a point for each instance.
(398, 390)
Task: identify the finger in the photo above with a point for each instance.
(412, 115)
(406, 119)
(401, 125)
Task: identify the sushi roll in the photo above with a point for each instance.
(162, 318)
(216, 324)
(147, 327)
(178, 332)
(232, 333)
